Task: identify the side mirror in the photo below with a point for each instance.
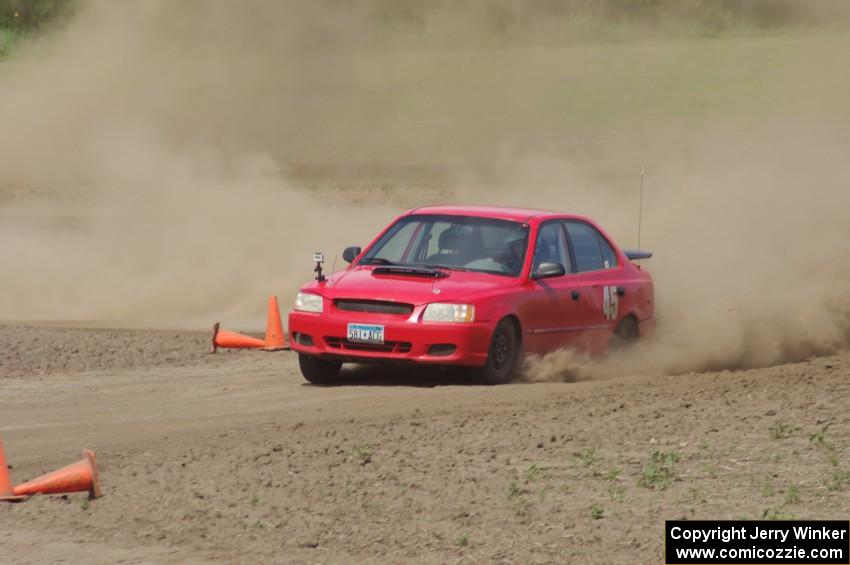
(350, 253)
(547, 270)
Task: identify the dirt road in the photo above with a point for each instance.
(233, 458)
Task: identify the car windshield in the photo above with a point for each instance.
(452, 242)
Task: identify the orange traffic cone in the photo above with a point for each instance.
(233, 340)
(77, 477)
(6, 492)
(275, 338)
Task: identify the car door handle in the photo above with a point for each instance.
(575, 295)
(621, 291)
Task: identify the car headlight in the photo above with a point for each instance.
(439, 312)
(306, 302)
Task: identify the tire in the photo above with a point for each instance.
(318, 371)
(503, 355)
(625, 335)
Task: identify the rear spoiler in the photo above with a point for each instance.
(633, 255)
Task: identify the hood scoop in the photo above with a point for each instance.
(410, 272)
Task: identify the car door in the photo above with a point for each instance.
(557, 305)
(595, 263)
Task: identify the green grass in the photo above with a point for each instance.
(590, 91)
(610, 83)
(8, 39)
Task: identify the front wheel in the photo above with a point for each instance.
(318, 371)
(503, 355)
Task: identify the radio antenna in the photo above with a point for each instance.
(640, 211)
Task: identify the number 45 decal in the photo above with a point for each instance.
(610, 302)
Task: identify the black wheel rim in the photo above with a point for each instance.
(501, 349)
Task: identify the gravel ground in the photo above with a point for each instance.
(233, 458)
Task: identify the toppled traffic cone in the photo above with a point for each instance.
(6, 492)
(233, 340)
(275, 338)
(77, 477)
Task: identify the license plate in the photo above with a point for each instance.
(363, 333)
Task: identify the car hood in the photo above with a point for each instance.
(360, 283)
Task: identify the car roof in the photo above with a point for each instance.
(497, 212)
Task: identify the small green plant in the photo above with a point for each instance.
(660, 471)
(463, 540)
(781, 430)
(776, 513)
(612, 475)
(255, 500)
(838, 480)
(533, 472)
(85, 505)
(616, 492)
(361, 453)
(792, 495)
(696, 495)
(513, 490)
(765, 485)
(259, 525)
(819, 438)
(587, 456)
(596, 512)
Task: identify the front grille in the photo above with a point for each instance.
(387, 347)
(374, 306)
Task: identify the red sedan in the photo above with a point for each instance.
(476, 287)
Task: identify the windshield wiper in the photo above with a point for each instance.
(376, 261)
(449, 268)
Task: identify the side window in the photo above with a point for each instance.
(551, 246)
(585, 243)
(608, 254)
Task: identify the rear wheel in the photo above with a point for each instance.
(503, 355)
(626, 334)
(318, 371)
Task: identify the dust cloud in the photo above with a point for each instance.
(749, 231)
(149, 158)
(143, 163)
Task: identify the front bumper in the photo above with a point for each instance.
(405, 339)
